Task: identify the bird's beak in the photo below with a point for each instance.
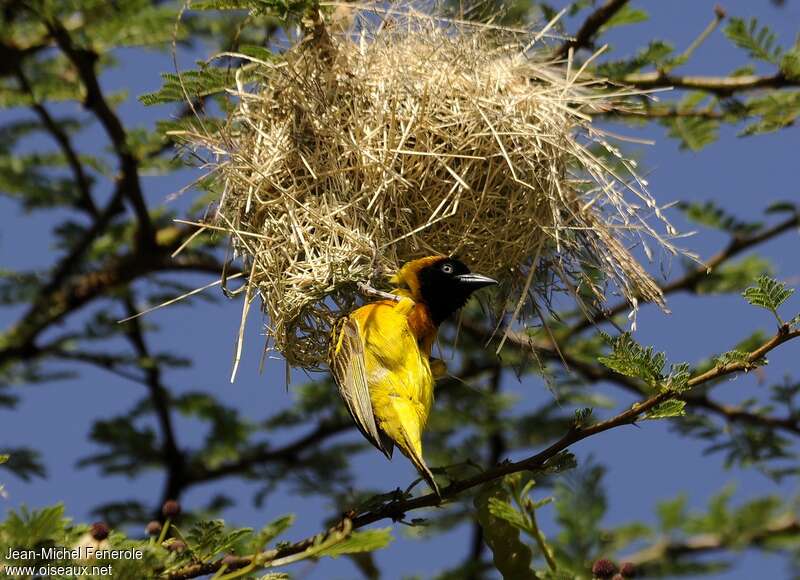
(475, 281)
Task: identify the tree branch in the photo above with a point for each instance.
(723, 86)
(738, 415)
(663, 113)
(84, 61)
(64, 143)
(590, 27)
(287, 454)
(705, 543)
(53, 306)
(174, 461)
(596, 373)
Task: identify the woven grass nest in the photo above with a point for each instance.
(402, 136)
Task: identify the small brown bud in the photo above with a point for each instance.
(720, 11)
(175, 546)
(99, 531)
(171, 509)
(153, 528)
(628, 570)
(604, 568)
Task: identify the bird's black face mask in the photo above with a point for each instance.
(446, 285)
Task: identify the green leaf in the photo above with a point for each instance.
(23, 462)
(790, 64)
(628, 358)
(678, 377)
(505, 511)
(667, 409)
(560, 463)
(783, 207)
(209, 538)
(271, 531)
(133, 24)
(224, 4)
(625, 16)
(769, 294)
(759, 42)
(278, 7)
(190, 85)
(580, 505)
(712, 215)
(776, 110)
(32, 528)
(734, 277)
(367, 541)
(511, 556)
(694, 133)
(731, 357)
(582, 416)
(258, 52)
(652, 55)
(672, 513)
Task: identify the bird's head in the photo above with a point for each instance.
(443, 284)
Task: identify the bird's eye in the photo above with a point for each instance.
(447, 268)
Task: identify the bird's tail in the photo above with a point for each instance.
(426, 473)
(406, 430)
(413, 450)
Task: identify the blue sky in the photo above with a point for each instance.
(644, 465)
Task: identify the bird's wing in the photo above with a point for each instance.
(349, 370)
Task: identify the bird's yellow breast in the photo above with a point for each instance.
(398, 372)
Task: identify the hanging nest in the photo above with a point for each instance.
(404, 136)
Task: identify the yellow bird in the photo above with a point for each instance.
(380, 354)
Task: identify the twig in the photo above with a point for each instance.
(289, 453)
(84, 61)
(541, 541)
(719, 16)
(174, 461)
(591, 26)
(711, 84)
(64, 143)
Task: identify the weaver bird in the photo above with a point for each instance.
(380, 354)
